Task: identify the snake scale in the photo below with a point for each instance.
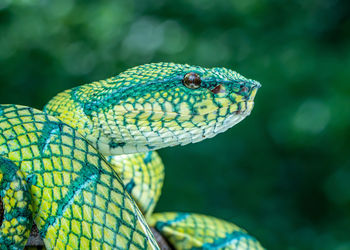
(85, 168)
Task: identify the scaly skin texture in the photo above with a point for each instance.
(15, 228)
(143, 176)
(79, 201)
(194, 231)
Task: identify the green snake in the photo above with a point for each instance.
(85, 171)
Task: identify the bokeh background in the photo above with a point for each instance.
(284, 172)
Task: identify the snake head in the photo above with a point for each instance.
(159, 105)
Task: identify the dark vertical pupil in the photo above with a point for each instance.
(192, 80)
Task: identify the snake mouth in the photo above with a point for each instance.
(241, 107)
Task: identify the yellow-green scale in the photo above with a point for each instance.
(17, 208)
(78, 199)
(143, 177)
(194, 231)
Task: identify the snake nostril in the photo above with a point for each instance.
(218, 89)
(244, 89)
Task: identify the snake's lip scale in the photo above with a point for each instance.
(244, 112)
(189, 116)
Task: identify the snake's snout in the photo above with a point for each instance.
(256, 84)
(252, 90)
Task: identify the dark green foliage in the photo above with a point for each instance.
(283, 173)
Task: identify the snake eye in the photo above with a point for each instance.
(192, 80)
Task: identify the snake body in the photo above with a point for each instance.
(196, 231)
(92, 147)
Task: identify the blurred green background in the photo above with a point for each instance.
(284, 172)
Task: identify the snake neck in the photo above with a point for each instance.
(67, 109)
